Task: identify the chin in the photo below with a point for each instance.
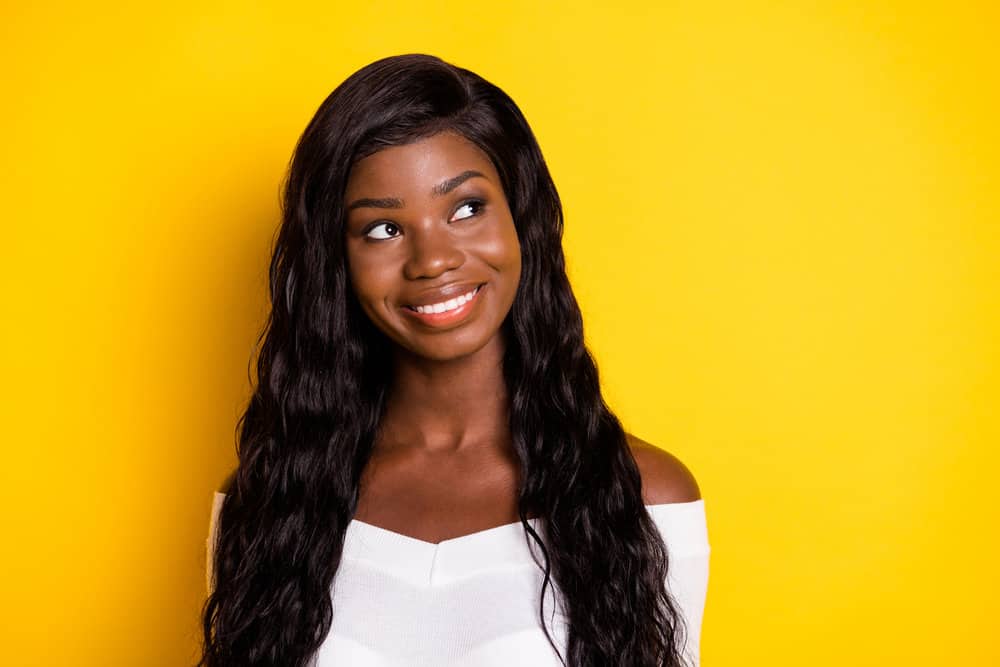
(450, 346)
(448, 352)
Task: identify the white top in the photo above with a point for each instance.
(473, 600)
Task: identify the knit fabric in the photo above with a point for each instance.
(474, 600)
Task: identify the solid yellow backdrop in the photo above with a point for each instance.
(782, 225)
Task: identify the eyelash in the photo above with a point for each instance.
(476, 202)
(479, 203)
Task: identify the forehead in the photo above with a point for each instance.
(418, 166)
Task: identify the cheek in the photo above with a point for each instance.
(365, 278)
(501, 248)
(512, 257)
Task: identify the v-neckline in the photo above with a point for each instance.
(426, 563)
(487, 532)
(495, 549)
(476, 535)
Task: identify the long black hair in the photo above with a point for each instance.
(322, 379)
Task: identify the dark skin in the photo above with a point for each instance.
(443, 464)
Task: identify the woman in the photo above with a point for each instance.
(428, 473)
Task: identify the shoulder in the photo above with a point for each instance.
(227, 483)
(665, 479)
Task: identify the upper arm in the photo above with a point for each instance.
(213, 528)
(665, 479)
(213, 531)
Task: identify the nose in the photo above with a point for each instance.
(432, 252)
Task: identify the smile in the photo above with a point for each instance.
(445, 312)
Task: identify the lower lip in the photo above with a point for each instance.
(448, 316)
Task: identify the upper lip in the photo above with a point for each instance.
(443, 293)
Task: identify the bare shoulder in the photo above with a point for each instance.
(227, 483)
(665, 479)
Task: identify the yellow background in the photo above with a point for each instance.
(782, 225)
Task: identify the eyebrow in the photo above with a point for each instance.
(438, 190)
(447, 186)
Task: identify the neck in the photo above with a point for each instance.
(447, 406)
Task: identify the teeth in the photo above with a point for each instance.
(450, 304)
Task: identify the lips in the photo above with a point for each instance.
(442, 294)
(461, 311)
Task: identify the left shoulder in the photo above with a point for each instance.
(665, 479)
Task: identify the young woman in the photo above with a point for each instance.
(428, 473)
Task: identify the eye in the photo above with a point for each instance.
(473, 207)
(386, 225)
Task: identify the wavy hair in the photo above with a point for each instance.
(322, 379)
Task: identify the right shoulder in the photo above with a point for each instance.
(227, 483)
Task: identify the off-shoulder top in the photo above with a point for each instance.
(474, 600)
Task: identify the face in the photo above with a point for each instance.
(432, 250)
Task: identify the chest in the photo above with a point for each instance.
(437, 498)
(472, 601)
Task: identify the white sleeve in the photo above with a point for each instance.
(213, 529)
(685, 532)
(688, 582)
